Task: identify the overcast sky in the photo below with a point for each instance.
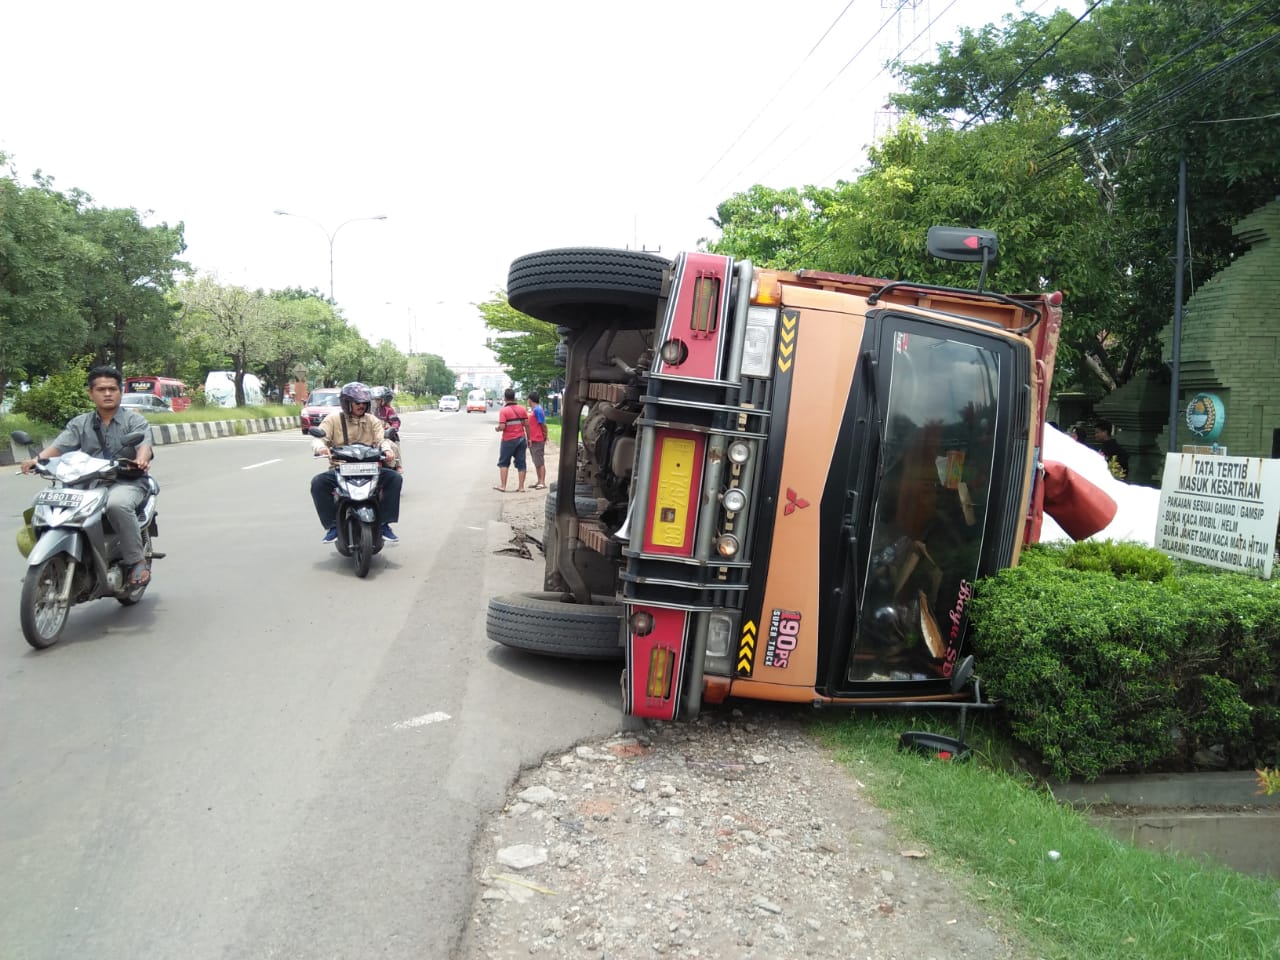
(481, 130)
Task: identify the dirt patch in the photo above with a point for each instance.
(736, 836)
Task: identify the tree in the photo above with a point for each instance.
(525, 346)
(131, 269)
(387, 365)
(41, 256)
(1139, 85)
(299, 329)
(771, 228)
(238, 323)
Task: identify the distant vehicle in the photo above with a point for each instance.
(319, 405)
(174, 391)
(448, 402)
(220, 389)
(476, 402)
(145, 403)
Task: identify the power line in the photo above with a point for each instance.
(1120, 131)
(1040, 56)
(777, 92)
(1173, 60)
(797, 114)
(805, 142)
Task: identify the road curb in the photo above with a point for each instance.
(166, 433)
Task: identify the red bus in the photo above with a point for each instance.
(175, 391)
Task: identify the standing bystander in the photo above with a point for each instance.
(538, 439)
(513, 424)
(1117, 457)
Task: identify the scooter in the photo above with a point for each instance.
(359, 517)
(72, 554)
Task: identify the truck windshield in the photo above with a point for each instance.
(930, 509)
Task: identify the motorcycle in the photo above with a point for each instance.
(359, 517)
(73, 556)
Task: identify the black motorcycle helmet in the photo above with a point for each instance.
(351, 393)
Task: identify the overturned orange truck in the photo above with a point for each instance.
(780, 485)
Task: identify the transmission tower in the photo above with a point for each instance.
(909, 42)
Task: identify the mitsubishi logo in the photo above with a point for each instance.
(794, 503)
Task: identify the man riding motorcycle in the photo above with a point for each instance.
(353, 424)
(384, 411)
(101, 433)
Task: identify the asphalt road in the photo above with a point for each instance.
(268, 757)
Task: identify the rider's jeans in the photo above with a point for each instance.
(324, 484)
(123, 500)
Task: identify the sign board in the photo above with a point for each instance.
(1206, 416)
(1221, 511)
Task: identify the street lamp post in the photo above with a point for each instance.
(328, 236)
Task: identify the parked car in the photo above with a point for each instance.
(319, 405)
(171, 390)
(448, 402)
(145, 403)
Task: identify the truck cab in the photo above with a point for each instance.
(783, 485)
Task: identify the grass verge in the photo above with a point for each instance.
(1100, 899)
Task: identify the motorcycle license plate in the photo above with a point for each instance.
(358, 469)
(59, 498)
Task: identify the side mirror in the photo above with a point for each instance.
(963, 245)
(316, 432)
(22, 437)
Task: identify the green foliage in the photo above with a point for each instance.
(1106, 662)
(1101, 899)
(59, 398)
(525, 346)
(1124, 561)
(1137, 84)
(76, 278)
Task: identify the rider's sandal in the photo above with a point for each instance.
(141, 574)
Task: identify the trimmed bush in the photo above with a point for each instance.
(59, 398)
(1106, 661)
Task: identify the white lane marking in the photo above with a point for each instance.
(421, 721)
(255, 466)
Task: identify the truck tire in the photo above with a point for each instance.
(586, 506)
(576, 287)
(545, 623)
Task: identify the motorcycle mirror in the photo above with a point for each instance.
(316, 432)
(21, 437)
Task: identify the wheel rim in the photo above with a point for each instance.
(50, 612)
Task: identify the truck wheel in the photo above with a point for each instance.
(575, 287)
(586, 507)
(547, 623)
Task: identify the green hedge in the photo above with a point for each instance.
(1111, 658)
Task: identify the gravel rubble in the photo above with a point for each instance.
(733, 837)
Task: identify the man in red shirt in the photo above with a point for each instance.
(513, 424)
(537, 439)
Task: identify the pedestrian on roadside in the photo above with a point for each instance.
(513, 424)
(537, 439)
(1117, 457)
